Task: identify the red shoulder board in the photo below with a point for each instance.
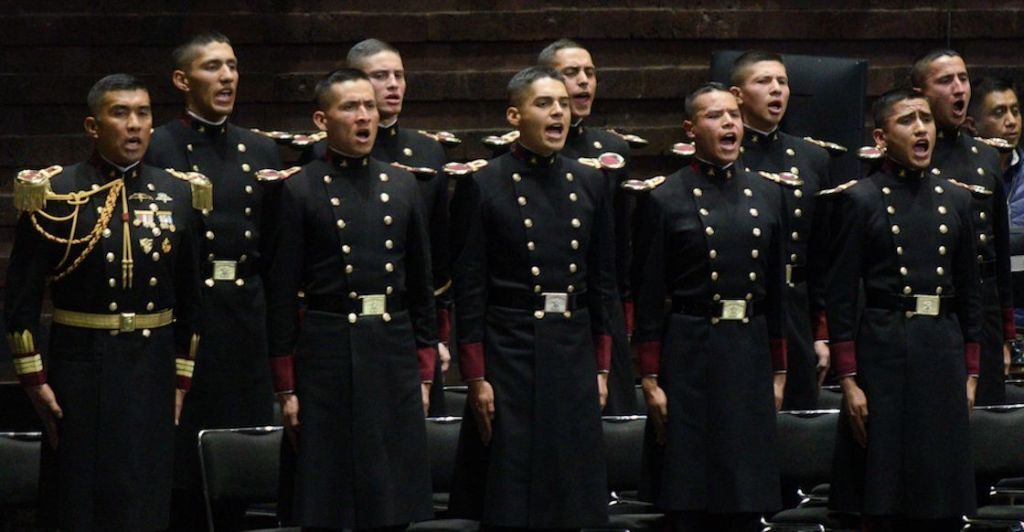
(420, 172)
(609, 160)
(683, 149)
(461, 169)
(634, 141)
(301, 140)
(782, 178)
(445, 138)
(267, 175)
(496, 141)
(643, 185)
(998, 143)
(870, 153)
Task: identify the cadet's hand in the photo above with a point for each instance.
(445, 356)
(821, 351)
(179, 400)
(657, 406)
(1006, 359)
(779, 383)
(45, 404)
(425, 393)
(481, 397)
(972, 388)
(856, 404)
(290, 412)
(602, 389)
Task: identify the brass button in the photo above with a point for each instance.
(574, 244)
(709, 230)
(756, 231)
(384, 198)
(349, 268)
(383, 177)
(389, 244)
(352, 317)
(942, 209)
(576, 223)
(341, 224)
(389, 267)
(246, 167)
(535, 271)
(754, 253)
(241, 147)
(528, 223)
(698, 192)
(388, 220)
(521, 200)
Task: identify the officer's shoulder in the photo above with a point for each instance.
(625, 141)
(785, 179)
(612, 140)
(252, 140)
(819, 147)
(972, 189)
(850, 188)
(441, 138)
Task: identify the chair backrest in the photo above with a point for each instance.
(19, 468)
(240, 464)
(624, 446)
(442, 442)
(455, 399)
(805, 443)
(996, 436)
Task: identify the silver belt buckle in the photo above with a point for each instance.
(127, 322)
(927, 305)
(734, 309)
(556, 302)
(224, 270)
(374, 305)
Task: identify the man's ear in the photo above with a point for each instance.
(512, 115)
(972, 128)
(320, 120)
(688, 128)
(737, 93)
(879, 137)
(91, 127)
(180, 80)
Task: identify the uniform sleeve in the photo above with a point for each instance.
(847, 252)
(1001, 230)
(419, 287)
(440, 264)
(187, 302)
(469, 276)
(283, 279)
(30, 263)
(968, 293)
(775, 286)
(602, 291)
(649, 287)
(817, 259)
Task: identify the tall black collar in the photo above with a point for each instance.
(710, 170)
(758, 137)
(341, 161)
(204, 127)
(531, 158)
(902, 172)
(110, 171)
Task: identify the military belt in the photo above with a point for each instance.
(554, 302)
(912, 304)
(365, 305)
(724, 309)
(795, 274)
(123, 322)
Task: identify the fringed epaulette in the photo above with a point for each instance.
(31, 188)
(973, 189)
(608, 160)
(634, 141)
(498, 141)
(446, 138)
(833, 149)
(281, 137)
(300, 140)
(463, 169)
(870, 153)
(683, 149)
(836, 190)
(270, 175)
(998, 143)
(421, 173)
(202, 188)
(782, 178)
(640, 186)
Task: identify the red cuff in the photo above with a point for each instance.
(972, 357)
(627, 312)
(428, 359)
(1009, 328)
(820, 325)
(779, 351)
(603, 352)
(33, 379)
(183, 383)
(283, 371)
(471, 361)
(649, 354)
(844, 357)
(444, 325)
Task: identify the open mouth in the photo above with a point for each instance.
(224, 96)
(959, 106)
(393, 99)
(554, 131)
(133, 143)
(363, 135)
(921, 148)
(581, 98)
(775, 106)
(728, 141)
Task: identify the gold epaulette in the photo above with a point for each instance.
(268, 175)
(497, 141)
(21, 342)
(301, 140)
(870, 153)
(444, 288)
(836, 190)
(832, 148)
(974, 189)
(643, 185)
(281, 137)
(683, 149)
(782, 178)
(31, 188)
(421, 173)
(634, 141)
(998, 143)
(446, 138)
(461, 169)
(608, 160)
(202, 188)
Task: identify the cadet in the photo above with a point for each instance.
(994, 112)
(761, 87)
(232, 382)
(714, 369)
(354, 380)
(941, 77)
(115, 241)
(576, 66)
(907, 362)
(534, 275)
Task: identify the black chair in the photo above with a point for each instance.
(624, 445)
(19, 474)
(996, 435)
(455, 399)
(240, 466)
(831, 397)
(442, 442)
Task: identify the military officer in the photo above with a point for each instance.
(715, 367)
(908, 363)
(417, 149)
(354, 380)
(115, 240)
(761, 87)
(573, 61)
(994, 113)
(534, 275)
(232, 383)
(942, 78)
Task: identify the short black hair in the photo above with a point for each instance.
(111, 83)
(702, 89)
(919, 69)
(186, 51)
(525, 78)
(749, 58)
(881, 110)
(981, 88)
(365, 48)
(546, 57)
(322, 93)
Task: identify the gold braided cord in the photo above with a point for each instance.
(127, 264)
(93, 237)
